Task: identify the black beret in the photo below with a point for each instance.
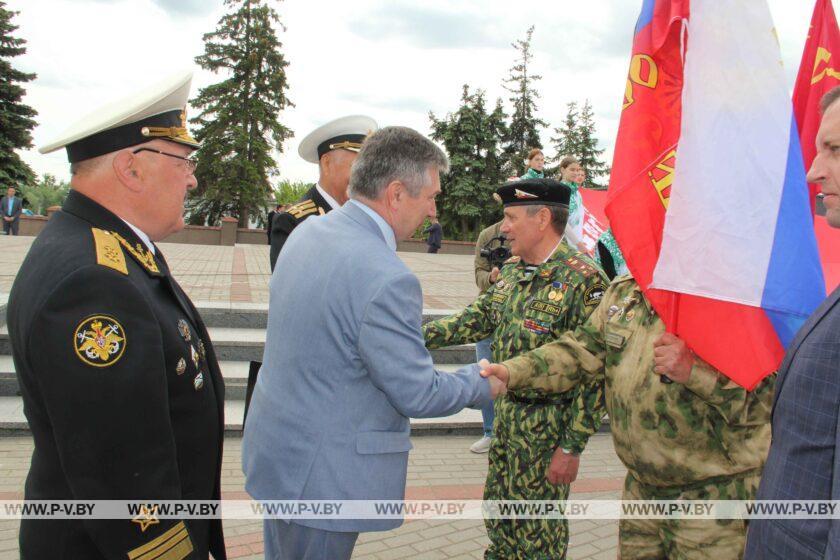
(534, 191)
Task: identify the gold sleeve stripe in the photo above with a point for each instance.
(174, 544)
(108, 251)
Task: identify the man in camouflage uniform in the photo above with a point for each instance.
(700, 438)
(539, 434)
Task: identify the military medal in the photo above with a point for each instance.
(195, 356)
(612, 310)
(201, 350)
(181, 367)
(629, 315)
(552, 295)
(198, 382)
(500, 283)
(184, 329)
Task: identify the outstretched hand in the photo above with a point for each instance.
(497, 386)
(498, 371)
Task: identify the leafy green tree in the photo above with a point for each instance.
(472, 138)
(239, 124)
(524, 127)
(46, 192)
(589, 155)
(567, 138)
(16, 118)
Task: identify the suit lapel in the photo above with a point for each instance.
(803, 333)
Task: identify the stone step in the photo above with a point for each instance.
(235, 375)
(468, 421)
(255, 315)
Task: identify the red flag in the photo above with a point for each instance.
(819, 72)
(640, 187)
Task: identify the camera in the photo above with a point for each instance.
(498, 254)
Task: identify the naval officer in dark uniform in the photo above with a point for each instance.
(120, 384)
(333, 147)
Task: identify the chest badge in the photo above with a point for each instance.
(181, 367)
(500, 283)
(99, 341)
(612, 310)
(198, 382)
(195, 356)
(201, 351)
(184, 329)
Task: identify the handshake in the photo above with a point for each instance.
(497, 376)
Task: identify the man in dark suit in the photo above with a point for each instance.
(804, 458)
(12, 207)
(435, 235)
(333, 147)
(120, 383)
(277, 209)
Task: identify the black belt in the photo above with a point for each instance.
(539, 401)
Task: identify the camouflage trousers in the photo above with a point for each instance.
(686, 539)
(525, 437)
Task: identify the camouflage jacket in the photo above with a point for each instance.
(525, 308)
(665, 434)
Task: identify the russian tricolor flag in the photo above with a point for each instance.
(708, 198)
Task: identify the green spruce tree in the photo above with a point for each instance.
(567, 139)
(472, 138)
(588, 152)
(16, 118)
(524, 128)
(239, 125)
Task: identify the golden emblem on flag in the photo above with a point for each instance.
(99, 341)
(662, 177)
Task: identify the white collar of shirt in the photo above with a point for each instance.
(330, 200)
(143, 237)
(387, 231)
(545, 260)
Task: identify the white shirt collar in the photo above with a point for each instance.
(545, 260)
(143, 237)
(330, 200)
(387, 230)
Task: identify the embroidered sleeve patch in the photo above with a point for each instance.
(593, 294)
(99, 341)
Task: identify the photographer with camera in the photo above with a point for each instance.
(538, 435)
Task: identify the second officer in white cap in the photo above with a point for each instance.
(333, 146)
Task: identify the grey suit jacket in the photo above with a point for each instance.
(804, 459)
(344, 368)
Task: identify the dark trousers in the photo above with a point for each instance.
(433, 249)
(10, 228)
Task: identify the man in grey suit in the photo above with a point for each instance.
(12, 207)
(345, 365)
(804, 459)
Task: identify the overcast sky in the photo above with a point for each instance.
(394, 60)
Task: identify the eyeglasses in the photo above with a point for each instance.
(189, 164)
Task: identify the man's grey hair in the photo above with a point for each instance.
(395, 153)
(559, 215)
(829, 98)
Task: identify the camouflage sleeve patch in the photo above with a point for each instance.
(594, 294)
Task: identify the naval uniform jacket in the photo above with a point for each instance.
(312, 204)
(121, 389)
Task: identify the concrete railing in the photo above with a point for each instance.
(229, 234)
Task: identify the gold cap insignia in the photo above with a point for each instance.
(99, 341)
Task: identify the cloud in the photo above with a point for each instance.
(187, 7)
(392, 103)
(429, 27)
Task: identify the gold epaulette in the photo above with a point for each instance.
(304, 208)
(578, 264)
(174, 544)
(108, 250)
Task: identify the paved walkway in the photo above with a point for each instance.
(239, 275)
(440, 467)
